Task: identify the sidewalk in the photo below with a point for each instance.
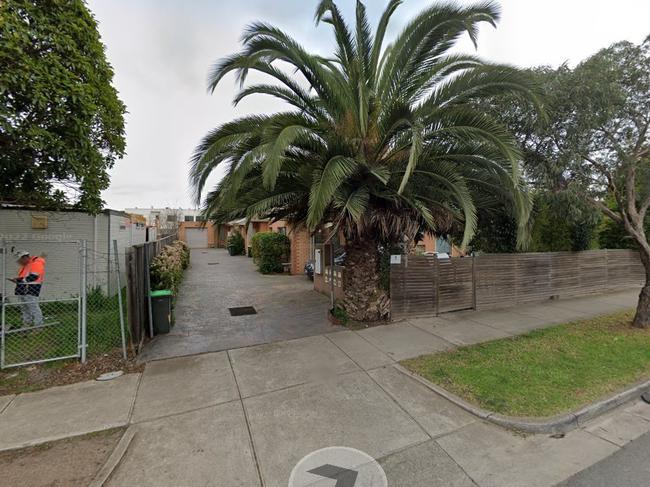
(247, 416)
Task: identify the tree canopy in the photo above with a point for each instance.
(61, 121)
(389, 131)
(596, 144)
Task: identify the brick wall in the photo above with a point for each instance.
(300, 250)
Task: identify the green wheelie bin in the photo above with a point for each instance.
(161, 311)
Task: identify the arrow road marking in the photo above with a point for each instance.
(344, 477)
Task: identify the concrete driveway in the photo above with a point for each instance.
(287, 308)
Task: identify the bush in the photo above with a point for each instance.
(168, 266)
(385, 252)
(235, 244)
(612, 235)
(270, 250)
(563, 222)
(340, 314)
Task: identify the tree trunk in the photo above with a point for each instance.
(364, 300)
(642, 316)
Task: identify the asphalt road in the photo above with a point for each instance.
(629, 467)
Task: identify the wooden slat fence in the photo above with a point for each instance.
(425, 286)
(138, 260)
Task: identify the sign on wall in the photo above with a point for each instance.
(317, 267)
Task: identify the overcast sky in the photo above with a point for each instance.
(161, 51)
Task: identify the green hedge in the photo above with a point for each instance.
(168, 266)
(270, 250)
(236, 244)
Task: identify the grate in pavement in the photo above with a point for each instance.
(213, 263)
(242, 310)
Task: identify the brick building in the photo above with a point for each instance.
(301, 240)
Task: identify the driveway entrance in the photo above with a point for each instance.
(286, 307)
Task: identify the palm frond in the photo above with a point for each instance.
(385, 139)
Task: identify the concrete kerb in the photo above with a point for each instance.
(554, 425)
(114, 459)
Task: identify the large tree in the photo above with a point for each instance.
(597, 143)
(61, 121)
(383, 142)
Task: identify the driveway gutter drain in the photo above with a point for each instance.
(242, 311)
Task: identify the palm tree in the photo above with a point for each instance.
(382, 142)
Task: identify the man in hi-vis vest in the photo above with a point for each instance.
(29, 281)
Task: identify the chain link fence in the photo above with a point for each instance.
(75, 312)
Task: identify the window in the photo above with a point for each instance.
(200, 218)
(443, 245)
(189, 218)
(282, 230)
(171, 218)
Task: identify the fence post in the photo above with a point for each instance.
(436, 274)
(119, 298)
(84, 308)
(3, 298)
(474, 299)
(148, 253)
(133, 317)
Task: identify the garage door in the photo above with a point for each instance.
(196, 238)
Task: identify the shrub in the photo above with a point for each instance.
(270, 250)
(236, 244)
(340, 314)
(385, 252)
(168, 266)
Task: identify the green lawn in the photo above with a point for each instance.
(546, 372)
(60, 337)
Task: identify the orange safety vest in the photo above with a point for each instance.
(36, 265)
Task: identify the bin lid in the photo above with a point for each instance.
(160, 292)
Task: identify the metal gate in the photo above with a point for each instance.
(50, 326)
(426, 286)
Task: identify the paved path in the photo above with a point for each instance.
(628, 467)
(244, 417)
(287, 307)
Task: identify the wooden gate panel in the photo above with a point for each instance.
(412, 287)
(455, 284)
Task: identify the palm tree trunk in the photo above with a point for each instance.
(364, 300)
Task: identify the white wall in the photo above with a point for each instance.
(63, 265)
(62, 257)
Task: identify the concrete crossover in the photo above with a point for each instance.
(205, 447)
(349, 410)
(424, 465)
(271, 367)
(245, 417)
(184, 384)
(628, 467)
(494, 457)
